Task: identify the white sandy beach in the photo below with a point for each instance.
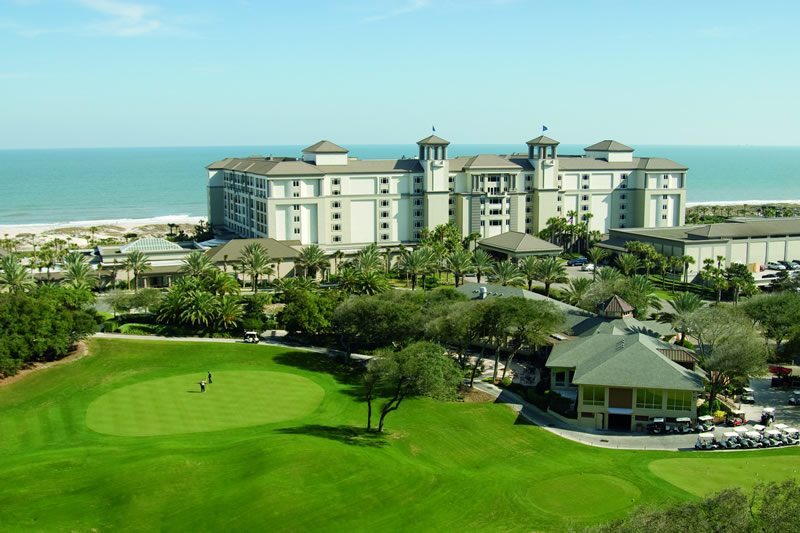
(79, 232)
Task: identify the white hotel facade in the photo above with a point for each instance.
(336, 201)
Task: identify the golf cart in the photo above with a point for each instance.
(706, 441)
(705, 423)
(656, 426)
(730, 440)
(741, 432)
(251, 337)
(754, 439)
(683, 425)
(773, 437)
(795, 398)
(791, 435)
(768, 416)
(747, 396)
(736, 418)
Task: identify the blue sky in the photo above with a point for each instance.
(85, 73)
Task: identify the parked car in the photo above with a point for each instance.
(772, 265)
(588, 267)
(769, 276)
(577, 261)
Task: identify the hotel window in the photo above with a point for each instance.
(451, 179)
(623, 186)
(482, 223)
(417, 224)
(664, 197)
(584, 208)
(416, 235)
(384, 181)
(593, 395)
(384, 236)
(295, 195)
(624, 176)
(584, 186)
(664, 207)
(418, 201)
(384, 225)
(622, 207)
(527, 220)
(297, 231)
(451, 201)
(585, 177)
(495, 222)
(384, 203)
(528, 177)
(558, 208)
(679, 400)
(622, 196)
(648, 399)
(452, 212)
(666, 185)
(528, 209)
(559, 177)
(585, 197)
(622, 216)
(336, 227)
(336, 216)
(337, 238)
(295, 183)
(384, 191)
(336, 181)
(663, 217)
(336, 193)
(297, 219)
(417, 179)
(622, 225)
(384, 214)
(296, 207)
(336, 205)
(418, 212)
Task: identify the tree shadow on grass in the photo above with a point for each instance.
(345, 434)
(345, 371)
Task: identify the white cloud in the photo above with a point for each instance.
(124, 19)
(409, 7)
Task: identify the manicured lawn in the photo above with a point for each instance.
(117, 441)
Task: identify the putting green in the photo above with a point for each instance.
(175, 404)
(583, 495)
(703, 475)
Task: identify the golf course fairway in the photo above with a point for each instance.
(122, 439)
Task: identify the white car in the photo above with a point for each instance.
(775, 266)
(588, 267)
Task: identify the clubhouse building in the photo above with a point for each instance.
(328, 198)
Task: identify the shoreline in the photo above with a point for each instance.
(80, 232)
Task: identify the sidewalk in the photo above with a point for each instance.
(590, 437)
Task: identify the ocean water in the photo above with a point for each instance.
(68, 185)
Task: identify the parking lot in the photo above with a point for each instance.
(776, 397)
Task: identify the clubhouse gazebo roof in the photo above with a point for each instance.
(515, 245)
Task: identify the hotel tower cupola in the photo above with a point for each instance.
(433, 148)
(542, 147)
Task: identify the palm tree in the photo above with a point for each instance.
(459, 262)
(675, 264)
(577, 289)
(687, 260)
(646, 293)
(482, 263)
(416, 263)
(337, 256)
(14, 277)
(255, 263)
(219, 283)
(79, 275)
(528, 266)
(506, 273)
(551, 270)
(368, 259)
(196, 264)
(229, 310)
(628, 264)
(609, 275)
(597, 255)
(370, 283)
(136, 262)
(199, 308)
(684, 304)
(312, 259)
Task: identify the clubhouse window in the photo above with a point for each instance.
(679, 400)
(649, 399)
(594, 395)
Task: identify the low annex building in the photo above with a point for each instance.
(739, 240)
(516, 245)
(329, 198)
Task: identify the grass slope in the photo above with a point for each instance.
(442, 465)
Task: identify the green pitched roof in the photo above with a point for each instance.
(633, 360)
(231, 251)
(519, 242)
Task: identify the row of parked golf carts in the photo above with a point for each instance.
(705, 423)
(757, 436)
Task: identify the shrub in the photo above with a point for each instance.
(505, 382)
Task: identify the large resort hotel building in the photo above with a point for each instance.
(328, 198)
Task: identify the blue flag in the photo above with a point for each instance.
(433, 129)
(544, 128)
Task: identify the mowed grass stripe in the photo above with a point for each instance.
(175, 405)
